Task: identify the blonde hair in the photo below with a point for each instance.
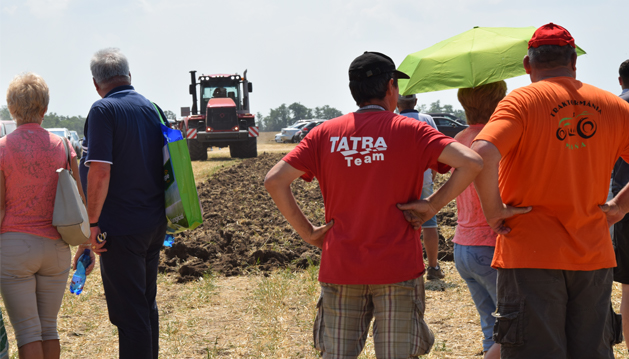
(27, 98)
(480, 102)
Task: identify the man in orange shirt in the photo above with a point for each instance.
(549, 149)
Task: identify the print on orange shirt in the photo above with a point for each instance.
(577, 128)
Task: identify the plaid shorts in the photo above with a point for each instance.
(344, 313)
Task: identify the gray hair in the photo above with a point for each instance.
(405, 103)
(550, 56)
(108, 65)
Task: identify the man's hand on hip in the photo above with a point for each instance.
(318, 235)
(613, 212)
(496, 220)
(417, 212)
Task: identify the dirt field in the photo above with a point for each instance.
(243, 230)
(244, 285)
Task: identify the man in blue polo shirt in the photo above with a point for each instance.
(126, 200)
(406, 106)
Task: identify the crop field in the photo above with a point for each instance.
(244, 285)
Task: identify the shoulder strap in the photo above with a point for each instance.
(158, 114)
(65, 145)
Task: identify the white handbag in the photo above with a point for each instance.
(70, 215)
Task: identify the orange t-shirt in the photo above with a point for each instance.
(559, 139)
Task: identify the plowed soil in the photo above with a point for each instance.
(243, 231)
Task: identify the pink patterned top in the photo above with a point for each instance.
(29, 157)
(472, 228)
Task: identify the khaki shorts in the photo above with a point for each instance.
(344, 313)
(32, 282)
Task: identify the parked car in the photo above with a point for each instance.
(65, 133)
(7, 127)
(288, 134)
(76, 142)
(448, 126)
(298, 122)
(307, 128)
(448, 115)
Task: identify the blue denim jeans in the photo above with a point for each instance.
(474, 266)
(427, 192)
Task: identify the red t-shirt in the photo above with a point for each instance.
(366, 163)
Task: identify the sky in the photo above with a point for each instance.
(294, 51)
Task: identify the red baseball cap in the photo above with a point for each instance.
(551, 34)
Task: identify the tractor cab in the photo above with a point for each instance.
(221, 86)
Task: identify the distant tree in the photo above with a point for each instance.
(277, 118)
(52, 120)
(74, 123)
(5, 115)
(284, 116)
(436, 107)
(170, 115)
(326, 112)
(299, 111)
(260, 121)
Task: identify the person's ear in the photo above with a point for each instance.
(527, 64)
(390, 88)
(573, 61)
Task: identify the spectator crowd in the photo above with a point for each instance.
(530, 175)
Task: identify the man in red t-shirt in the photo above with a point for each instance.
(366, 162)
(549, 149)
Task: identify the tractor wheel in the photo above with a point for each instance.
(198, 150)
(244, 149)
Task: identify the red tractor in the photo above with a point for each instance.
(224, 120)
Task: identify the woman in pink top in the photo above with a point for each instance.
(35, 261)
(474, 241)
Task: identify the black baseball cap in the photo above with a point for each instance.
(373, 64)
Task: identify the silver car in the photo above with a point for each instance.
(65, 133)
(76, 141)
(288, 134)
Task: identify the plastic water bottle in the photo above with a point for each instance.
(169, 240)
(78, 279)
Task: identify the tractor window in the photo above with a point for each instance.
(220, 92)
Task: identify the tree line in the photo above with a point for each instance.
(72, 123)
(52, 120)
(278, 118)
(284, 116)
(436, 107)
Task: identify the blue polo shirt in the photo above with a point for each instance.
(123, 130)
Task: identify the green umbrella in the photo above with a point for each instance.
(476, 57)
